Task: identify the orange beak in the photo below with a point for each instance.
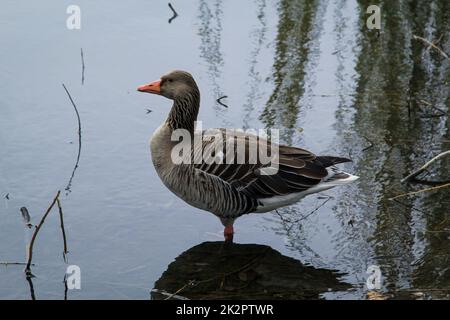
(153, 87)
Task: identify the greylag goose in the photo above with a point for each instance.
(231, 189)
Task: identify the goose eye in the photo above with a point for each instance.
(169, 80)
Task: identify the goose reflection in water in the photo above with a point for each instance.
(214, 270)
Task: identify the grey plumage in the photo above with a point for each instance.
(230, 190)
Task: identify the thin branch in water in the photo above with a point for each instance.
(432, 45)
(66, 288)
(370, 146)
(424, 167)
(6, 263)
(30, 282)
(219, 101)
(286, 223)
(303, 217)
(316, 209)
(82, 67)
(190, 283)
(175, 14)
(408, 104)
(61, 219)
(69, 184)
(435, 42)
(6, 200)
(167, 294)
(420, 191)
(441, 113)
(33, 238)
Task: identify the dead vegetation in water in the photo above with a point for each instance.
(433, 45)
(69, 184)
(55, 202)
(175, 14)
(412, 178)
(38, 227)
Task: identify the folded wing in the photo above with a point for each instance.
(294, 170)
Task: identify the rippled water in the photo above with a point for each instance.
(309, 68)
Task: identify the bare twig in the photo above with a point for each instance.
(33, 238)
(30, 282)
(303, 217)
(14, 263)
(441, 112)
(69, 184)
(167, 294)
(82, 67)
(316, 209)
(219, 101)
(175, 14)
(420, 191)
(190, 283)
(424, 167)
(66, 288)
(432, 45)
(368, 147)
(61, 219)
(435, 42)
(287, 223)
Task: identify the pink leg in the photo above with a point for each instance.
(228, 233)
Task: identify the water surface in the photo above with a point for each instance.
(308, 68)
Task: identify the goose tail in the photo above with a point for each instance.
(334, 178)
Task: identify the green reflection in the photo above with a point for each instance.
(296, 20)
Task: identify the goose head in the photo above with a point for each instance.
(175, 85)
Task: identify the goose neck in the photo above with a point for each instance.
(184, 112)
